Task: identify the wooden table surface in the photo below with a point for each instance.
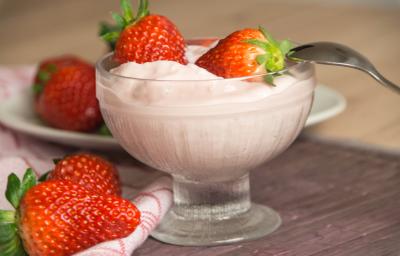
(31, 30)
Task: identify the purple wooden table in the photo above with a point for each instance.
(334, 200)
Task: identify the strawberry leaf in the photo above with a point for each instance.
(269, 79)
(285, 46)
(28, 181)
(7, 232)
(111, 36)
(110, 33)
(51, 67)
(12, 190)
(44, 177)
(10, 242)
(37, 88)
(127, 13)
(261, 59)
(269, 37)
(143, 10)
(103, 130)
(7, 217)
(119, 20)
(16, 190)
(106, 28)
(44, 76)
(276, 61)
(256, 42)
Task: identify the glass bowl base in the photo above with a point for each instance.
(255, 223)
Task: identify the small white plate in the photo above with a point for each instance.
(17, 113)
(327, 104)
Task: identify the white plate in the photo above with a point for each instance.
(327, 104)
(17, 113)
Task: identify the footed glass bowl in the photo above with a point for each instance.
(208, 149)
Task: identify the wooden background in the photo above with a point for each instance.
(31, 30)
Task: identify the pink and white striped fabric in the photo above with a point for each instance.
(18, 152)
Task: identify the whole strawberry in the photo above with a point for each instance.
(146, 37)
(244, 53)
(90, 171)
(50, 65)
(61, 218)
(66, 94)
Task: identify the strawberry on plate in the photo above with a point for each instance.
(145, 37)
(60, 217)
(66, 94)
(50, 65)
(244, 53)
(90, 171)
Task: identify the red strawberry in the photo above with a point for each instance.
(90, 171)
(202, 41)
(49, 66)
(245, 52)
(61, 218)
(146, 37)
(67, 96)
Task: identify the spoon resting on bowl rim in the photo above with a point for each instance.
(330, 53)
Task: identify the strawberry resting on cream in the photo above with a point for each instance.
(197, 86)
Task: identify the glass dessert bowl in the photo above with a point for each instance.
(208, 134)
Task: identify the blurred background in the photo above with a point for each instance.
(32, 30)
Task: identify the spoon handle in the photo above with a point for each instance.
(385, 82)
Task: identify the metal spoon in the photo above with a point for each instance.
(340, 55)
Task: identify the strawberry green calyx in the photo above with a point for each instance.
(45, 176)
(10, 242)
(43, 76)
(16, 188)
(109, 30)
(110, 33)
(104, 131)
(275, 51)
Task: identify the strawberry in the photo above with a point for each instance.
(244, 53)
(144, 38)
(49, 66)
(202, 41)
(90, 171)
(60, 217)
(66, 94)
